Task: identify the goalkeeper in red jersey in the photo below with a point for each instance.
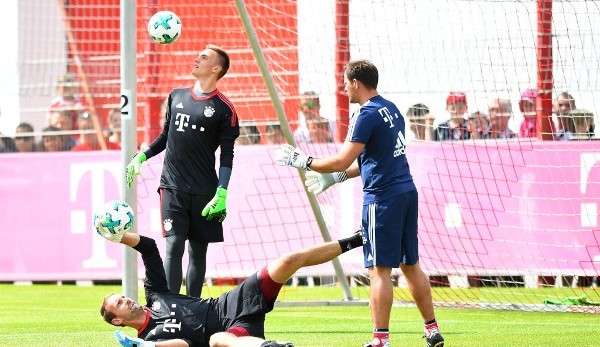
(234, 319)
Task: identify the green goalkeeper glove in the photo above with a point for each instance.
(134, 167)
(217, 207)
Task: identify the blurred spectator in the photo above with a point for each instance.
(563, 105)
(274, 134)
(66, 99)
(249, 135)
(310, 109)
(114, 126)
(421, 122)
(456, 127)
(578, 124)
(53, 143)
(318, 130)
(88, 140)
(500, 112)
(478, 125)
(62, 120)
(25, 143)
(527, 107)
(7, 144)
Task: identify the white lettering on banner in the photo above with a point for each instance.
(99, 259)
(589, 211)
(182, 121)
(453, 215)
(527, 204)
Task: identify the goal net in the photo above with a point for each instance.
(500, 100)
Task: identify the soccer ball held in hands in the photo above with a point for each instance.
(113, 220)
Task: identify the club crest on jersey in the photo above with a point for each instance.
(168, 224)
(156, 306)
(209, 111)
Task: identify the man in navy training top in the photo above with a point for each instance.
(375, 148)
(193, 199)
(234, 319)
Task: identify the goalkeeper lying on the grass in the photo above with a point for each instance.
(234, 319)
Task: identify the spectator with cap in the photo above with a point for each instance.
(66, 99)
(456, 127)
(421, 121)
(527, 107)
(478, 125)
(500, 112)
(24, 139)
(310, 110)
(88, 140)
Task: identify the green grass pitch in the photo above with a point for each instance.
(50, 315)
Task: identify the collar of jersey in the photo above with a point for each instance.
(146, 322)
(204, 96)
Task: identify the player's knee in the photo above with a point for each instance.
(411, 271)
(221, 340)
(292, 260)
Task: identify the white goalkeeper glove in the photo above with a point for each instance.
(288, 155)
(127, 341)
(108, 228)
(318, 182)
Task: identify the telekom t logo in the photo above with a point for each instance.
(589, 210)
(182, 121)
(387, 116)
(81, 219)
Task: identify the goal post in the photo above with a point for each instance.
(260, 59)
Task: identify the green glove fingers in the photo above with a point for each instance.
(134, 167)
(217, 207)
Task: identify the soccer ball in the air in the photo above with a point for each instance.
(113, 220)
(164, 27)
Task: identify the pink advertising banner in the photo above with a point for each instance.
(485, 208)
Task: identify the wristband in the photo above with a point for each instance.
(308, 162)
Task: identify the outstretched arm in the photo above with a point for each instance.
(131, 239)
(156, 280)
(340, 161)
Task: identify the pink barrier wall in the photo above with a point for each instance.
(505, 208)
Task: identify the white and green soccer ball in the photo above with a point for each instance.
(113, 220)
(164, 27)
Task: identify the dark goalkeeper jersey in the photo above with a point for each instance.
(172, 316)
(194, 128)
